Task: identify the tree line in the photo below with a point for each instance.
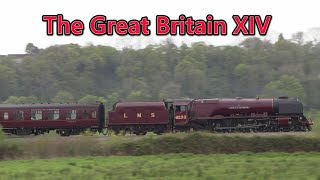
(254, 68)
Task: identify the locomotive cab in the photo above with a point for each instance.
(180, 112)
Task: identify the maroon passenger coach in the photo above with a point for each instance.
(66, 119)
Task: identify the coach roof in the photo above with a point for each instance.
(49, 105)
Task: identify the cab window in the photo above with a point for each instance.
(181, 109)
(169, 106)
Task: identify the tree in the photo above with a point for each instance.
(92, 98)
(63, 96)
(170, 90)
(111, 99)
(298, 37)
(138, 96)
(8, 81)
(241, 69)
(191, 75)
(280, 38)
(31, 49)
(21, 99)
(70, 72)
(285, 86)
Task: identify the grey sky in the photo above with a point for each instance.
(21, 20)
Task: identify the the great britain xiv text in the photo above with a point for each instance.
(100, 25)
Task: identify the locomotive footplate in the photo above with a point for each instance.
(241, 127)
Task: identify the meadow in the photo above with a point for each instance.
(244, 165)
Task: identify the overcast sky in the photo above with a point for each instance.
(21, 20)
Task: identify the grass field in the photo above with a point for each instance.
(170, 166)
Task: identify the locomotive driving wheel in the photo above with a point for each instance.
(216, 127)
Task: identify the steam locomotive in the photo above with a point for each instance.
(216, 115)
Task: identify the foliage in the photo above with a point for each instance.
(65, 73)
(7, 80)
(63, 96)
(49, 146)
(31, 49)
(92, 98)
(20, 99)
(286, 85)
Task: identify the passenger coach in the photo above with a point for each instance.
(66, 119)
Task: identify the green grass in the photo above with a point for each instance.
(170, 166)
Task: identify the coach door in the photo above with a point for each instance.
(180, 113)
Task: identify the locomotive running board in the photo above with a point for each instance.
(233, 117)
(241, 127)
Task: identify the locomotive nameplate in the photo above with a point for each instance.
(239, 107)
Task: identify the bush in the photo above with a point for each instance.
(194, 143)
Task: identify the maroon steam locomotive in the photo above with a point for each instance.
(217, 115)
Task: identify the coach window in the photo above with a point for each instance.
(53, 114)
(68, 114)
(18, 115)
(94, 114)
(74, 114)
(5, 116)
(71, 114)
(85, 114)
(36, 115)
